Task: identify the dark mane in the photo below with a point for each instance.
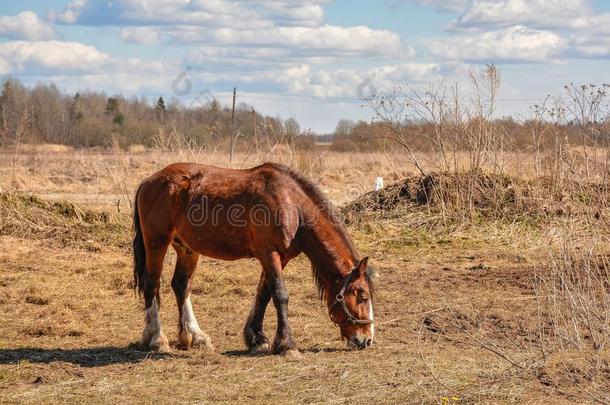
(325, 206)
(323, 203)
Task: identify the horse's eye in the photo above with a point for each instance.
(364, 296)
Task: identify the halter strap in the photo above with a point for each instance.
(340, 299)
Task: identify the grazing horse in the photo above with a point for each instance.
(268, 212)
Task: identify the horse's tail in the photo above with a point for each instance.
(139, 251)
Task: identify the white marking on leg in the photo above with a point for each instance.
(190, 325)
(371, 317)
(152, 328)
(189, 322)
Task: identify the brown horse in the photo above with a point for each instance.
(268, 212)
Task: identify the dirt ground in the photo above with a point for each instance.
(457, 319)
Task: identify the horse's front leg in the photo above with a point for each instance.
(255, 338)
(272, 268)
(189, 332)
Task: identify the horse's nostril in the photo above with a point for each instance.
(358, 342)
(369, 342)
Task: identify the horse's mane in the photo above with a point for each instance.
(326, 207)
(320, 200)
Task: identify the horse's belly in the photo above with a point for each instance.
(217, 243)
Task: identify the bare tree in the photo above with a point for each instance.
(446, 122)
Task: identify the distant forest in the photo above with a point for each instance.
(44, 114)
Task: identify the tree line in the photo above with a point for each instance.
(45, 114)
(418, 121)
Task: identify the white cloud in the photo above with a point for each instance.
(302, 79)
(537, 13)
(126, 83)
(523, 30)
(449, 5)
(563, 15)
(246, 60)
(294, 24)
(322, 41)
(348, 40)
(585, 46)
(70, 13)
(303, 13)
(50, 56)
(246, 13)
(140, 35)
(25, 25)
(213, 13)
(594, 25)
(57, 57)
(513, 44)
(504, 13)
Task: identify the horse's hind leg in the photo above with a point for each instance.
(189, 332)
(253, 331)
(152, 336)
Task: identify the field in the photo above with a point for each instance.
(505, 301)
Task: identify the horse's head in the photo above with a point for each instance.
(351, 306)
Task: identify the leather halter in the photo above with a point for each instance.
(340, 299)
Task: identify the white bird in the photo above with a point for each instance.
(378, 184)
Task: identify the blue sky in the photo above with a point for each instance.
(303, 58)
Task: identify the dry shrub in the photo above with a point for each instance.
(573, 304)
(574, 294)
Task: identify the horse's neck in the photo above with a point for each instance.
(327, 251)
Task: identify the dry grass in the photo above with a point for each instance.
(107, 179)
(469, 311)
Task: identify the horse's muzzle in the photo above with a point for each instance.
(359, 342)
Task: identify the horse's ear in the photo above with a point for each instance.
(361, 268)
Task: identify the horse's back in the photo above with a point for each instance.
(211, 208)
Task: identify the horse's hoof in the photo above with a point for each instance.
(202, 341)
(263, 348)
(292, 354)
(160, 348)
(185, 340)
(159, 344)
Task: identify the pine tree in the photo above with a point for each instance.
(75, 114)
(112, 105)
(160, 109)
(161, 104)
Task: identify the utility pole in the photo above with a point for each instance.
(233, 139)
(254, 137)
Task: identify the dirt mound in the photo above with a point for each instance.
(489, 195)
(59, 222)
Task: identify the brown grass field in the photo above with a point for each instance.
(511, 308)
